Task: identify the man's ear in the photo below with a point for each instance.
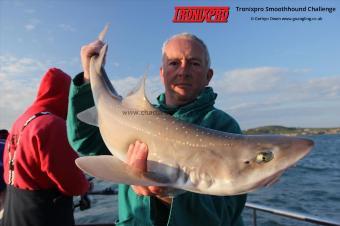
(161, 74)
(209, 75)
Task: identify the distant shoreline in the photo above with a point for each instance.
(291, 131)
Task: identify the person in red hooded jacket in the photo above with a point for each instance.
(39, 167)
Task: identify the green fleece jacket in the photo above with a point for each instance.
(188, 209)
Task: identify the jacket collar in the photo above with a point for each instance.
(189, 112)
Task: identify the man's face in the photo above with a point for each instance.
(184, 71)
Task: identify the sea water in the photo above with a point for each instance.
(312, 187)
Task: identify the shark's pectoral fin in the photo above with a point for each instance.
(89, 116)
(107, 167)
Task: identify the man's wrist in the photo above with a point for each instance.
(79, 79)
(86, 78)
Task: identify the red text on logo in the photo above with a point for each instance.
(199, 14)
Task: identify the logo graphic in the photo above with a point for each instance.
(199, 14)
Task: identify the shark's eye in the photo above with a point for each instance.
(264, 157)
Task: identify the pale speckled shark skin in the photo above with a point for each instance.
(181, 155)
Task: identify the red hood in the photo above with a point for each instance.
(53, 93)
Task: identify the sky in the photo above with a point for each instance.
(266, 71)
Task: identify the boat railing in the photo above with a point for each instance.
(255, 209)
(289, 214)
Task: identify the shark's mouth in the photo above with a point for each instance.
(271, 179)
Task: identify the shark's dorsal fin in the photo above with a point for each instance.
(137, 98)
(89, 116)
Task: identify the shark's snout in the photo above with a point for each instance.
(304, 146)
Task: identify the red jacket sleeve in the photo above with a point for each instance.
(58, 159)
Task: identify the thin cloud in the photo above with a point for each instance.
(310, 90)
(327, 86)
(32, 24)
(67, 63)
(253, 94)
(11, 65)
(250, 80)
(19, 81)
(67, 27)
(30, 11)
(30, 27)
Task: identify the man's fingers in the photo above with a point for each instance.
(150, 190)
(92, 49)
(137, 156)
(156, 190)
(129, 153)
(141, 190)
(86, 52)
(97, 45)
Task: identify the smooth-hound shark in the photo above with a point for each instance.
(181, 156)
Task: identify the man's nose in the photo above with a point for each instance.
(184, 69)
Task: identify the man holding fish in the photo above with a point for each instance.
(187, 164)
(185, 73)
